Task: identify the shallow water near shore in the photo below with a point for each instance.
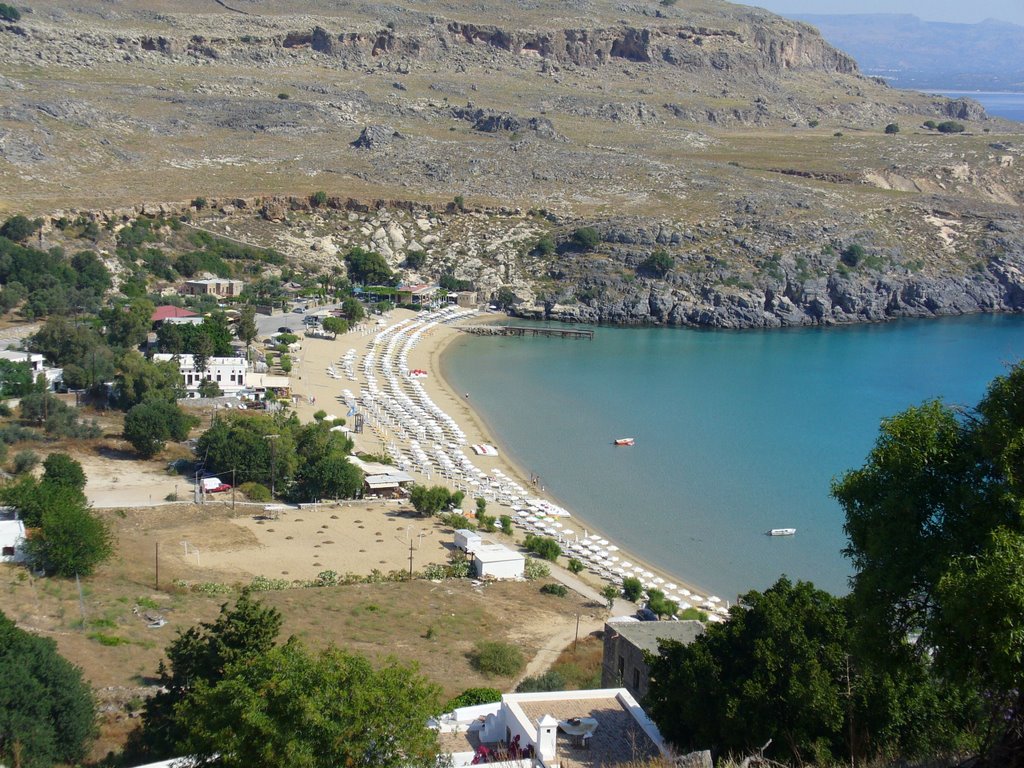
(736, 431)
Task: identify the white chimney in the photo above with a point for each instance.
(547, 730)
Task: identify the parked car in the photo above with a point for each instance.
(646, 614)
(284, 329)
(300, 310)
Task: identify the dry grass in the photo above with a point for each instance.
(104, 630)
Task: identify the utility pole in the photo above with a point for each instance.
(232, 489)
(273, 462)
(156, 562)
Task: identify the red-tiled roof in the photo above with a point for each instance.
(162, 313)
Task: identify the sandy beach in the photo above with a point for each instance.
(427, 354)
(319, 390)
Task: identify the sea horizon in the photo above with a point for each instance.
(759, 424)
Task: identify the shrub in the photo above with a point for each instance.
(813, 123)
(931, 125)
(471, 697)
(632, 588)
(852, 255)
(575, 565)
(209, 388)
(545, 246)
(506, 524)
(552, 680)
(558, 590)
(460, 202)
(543, 546)
(61, 469)
(950, 126)
(199, 203)
(495, 658)
(283, 96)
(18, 228)
(585, 238)
(415, 259)
(692, 614)
(609, 593)
(255, 491)
(892, 129)
(9, 12)
(25, 461)
(536, 569)
(317, 199)
(658, 263)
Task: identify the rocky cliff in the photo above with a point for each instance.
(742, 145)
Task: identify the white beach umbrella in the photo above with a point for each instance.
(714, 599)
(671, 586)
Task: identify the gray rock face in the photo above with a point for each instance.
(376, 136)
(489, 121)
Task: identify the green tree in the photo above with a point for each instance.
(209, 388)
(932, 515)
(335, 325)
(931, 125)
(661, 605)
(91, 272)
(128, 325)
(18, 228)
(46, 709)
(149, 425)
(353, 310)
(140, 380)
(576, 565)
(892, 129)
(415, 259)
(331, 477)
(242, 442)
(632, 588)
(430, 501)
(368, 268)
(31, 497)
(241, 633)
(246, 327)
(61, 469)
(773, 671)
(292, 707)
(853, 255)
(15, 379)
(950, 126)
(63, 342)
(318, 199)
(70, 541)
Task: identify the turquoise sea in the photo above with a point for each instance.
(736, 431)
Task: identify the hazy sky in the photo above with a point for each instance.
(930, 10)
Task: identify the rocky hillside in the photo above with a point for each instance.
(741, 145)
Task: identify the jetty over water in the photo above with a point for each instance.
(528, 330)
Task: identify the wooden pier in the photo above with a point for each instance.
(528, 330)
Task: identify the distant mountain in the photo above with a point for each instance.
(912, 53)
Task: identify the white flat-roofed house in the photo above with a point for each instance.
(228, 372)
(602, 727)
(36, 363)
(496, 561)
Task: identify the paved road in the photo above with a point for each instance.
(268, 324)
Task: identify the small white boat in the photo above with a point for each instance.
(781, 532)
(625, 441)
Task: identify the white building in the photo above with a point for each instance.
(496, 561)
(12, 538)
(228, 372)
(597, 727)
(36, 363)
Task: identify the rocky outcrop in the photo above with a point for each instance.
(375, 137)
(490, 121)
